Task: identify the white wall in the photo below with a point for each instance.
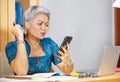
(90, 24)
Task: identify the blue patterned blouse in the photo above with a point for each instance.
(39, 64)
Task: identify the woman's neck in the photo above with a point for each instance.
(32, 40)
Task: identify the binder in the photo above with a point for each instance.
(19, 13)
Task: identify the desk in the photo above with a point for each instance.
(110, 78)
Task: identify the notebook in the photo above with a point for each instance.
(108, 63)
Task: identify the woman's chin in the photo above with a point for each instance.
(41, 37)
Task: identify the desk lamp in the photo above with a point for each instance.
(116, 4)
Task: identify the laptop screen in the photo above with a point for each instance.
(109, 60)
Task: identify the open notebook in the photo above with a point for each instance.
(108, 62)
(46, 77)
(37, 75)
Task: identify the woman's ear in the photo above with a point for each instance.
(27, 25)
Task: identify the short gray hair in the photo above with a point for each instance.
(32, 11)
(30, 14)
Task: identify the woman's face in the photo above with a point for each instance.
(39, 26)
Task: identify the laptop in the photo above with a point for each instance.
(108, 63)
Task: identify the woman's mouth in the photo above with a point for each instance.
(43, 33)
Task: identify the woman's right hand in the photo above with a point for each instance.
(18, 31)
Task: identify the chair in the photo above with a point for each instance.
(4, 66)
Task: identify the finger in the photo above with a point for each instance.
(61, 53)
(61, 49)
(66, 52)
(19, 29)
(58, 54)
(64, 49)
(14, 32)
(68, 46)
(18, 26)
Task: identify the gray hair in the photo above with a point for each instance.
(32, 11)
(30, 14)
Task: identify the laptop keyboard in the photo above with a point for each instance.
(88, 74)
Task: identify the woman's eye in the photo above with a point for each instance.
(44, 24)
(39, 23)
(47, 25)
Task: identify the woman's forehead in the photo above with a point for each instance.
(41, 17)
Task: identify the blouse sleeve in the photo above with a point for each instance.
(55, 58)
(10, 50)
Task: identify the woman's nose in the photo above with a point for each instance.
(43, 27)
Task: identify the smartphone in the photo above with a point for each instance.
(67, 39)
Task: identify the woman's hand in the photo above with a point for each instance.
(66, 66)
(64, 54)
(18, 31)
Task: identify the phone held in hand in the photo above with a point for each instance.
(67, 39)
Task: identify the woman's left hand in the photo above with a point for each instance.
(64, 54)
(66, 66)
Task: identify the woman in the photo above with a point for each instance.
(35, 53)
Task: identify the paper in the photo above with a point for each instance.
(34, 76)
(42, 77)
(55, 78)
(46, 75)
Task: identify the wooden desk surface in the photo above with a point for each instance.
(109, 78)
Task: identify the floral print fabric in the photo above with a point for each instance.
(39, 64)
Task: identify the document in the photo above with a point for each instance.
(37, 75)
(42, 77)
